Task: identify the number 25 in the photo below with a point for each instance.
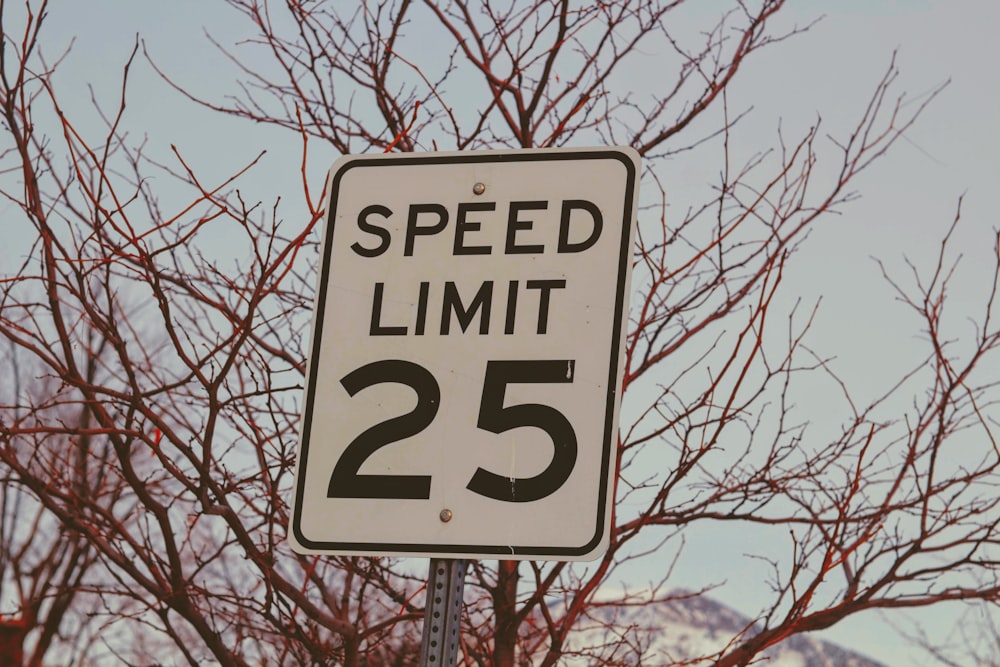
(494, 417)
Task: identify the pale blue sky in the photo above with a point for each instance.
(908, 199)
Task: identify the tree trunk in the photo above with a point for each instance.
(505, 610)
(12, 634)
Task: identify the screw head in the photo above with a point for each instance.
(479, 188)
(445, 515)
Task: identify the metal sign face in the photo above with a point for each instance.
(463, 384)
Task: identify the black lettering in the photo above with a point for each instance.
(381, 232)
(376, 328)
(418, 328)
(413, 229)
(515, 224)
(495, 417)
(545, 287)
(595, 232)
(463, 225)
(452, 303)
(346, 480)
(511, 307)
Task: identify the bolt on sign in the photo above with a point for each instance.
(466, 355)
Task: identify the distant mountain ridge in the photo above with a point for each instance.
(678, 631)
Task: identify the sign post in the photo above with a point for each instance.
(462, 390)
(443, 612)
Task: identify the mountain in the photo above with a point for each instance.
(679, 630)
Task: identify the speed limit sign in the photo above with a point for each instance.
(463, 384)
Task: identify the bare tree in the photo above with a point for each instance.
(186, 361)
(46, 567)
(973, 638)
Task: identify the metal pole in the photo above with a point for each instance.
(443, 613)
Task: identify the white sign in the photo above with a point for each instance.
(463, 385)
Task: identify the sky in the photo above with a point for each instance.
(908, 199)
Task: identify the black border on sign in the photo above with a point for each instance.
(624, 265)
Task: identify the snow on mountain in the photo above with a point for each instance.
(683, 631)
